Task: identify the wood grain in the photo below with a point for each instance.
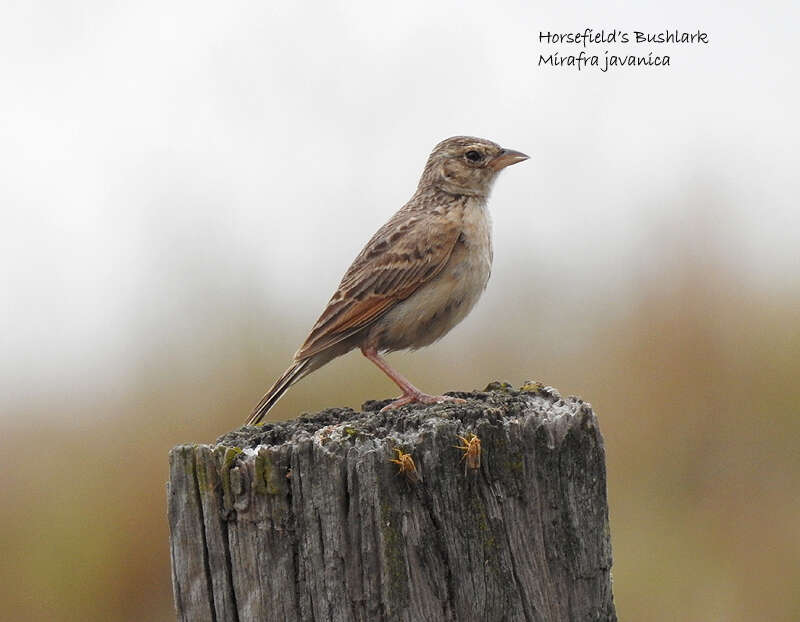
(309, 519)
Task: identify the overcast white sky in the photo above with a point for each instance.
(159, 156)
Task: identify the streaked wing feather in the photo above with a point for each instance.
(401, 256)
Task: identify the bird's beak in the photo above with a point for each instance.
(505, 158)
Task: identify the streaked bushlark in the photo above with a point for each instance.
(418, 276)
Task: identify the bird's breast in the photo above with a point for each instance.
(441, 303)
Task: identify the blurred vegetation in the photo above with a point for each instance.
(694, 378)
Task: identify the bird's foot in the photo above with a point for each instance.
(421, 398)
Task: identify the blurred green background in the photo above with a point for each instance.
(185, 183)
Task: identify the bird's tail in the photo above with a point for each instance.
(296, 371)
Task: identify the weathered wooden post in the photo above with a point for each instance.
(309, 519)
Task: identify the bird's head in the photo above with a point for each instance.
(464, 165)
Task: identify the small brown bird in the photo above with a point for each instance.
(419, 275)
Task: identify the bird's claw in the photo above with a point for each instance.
(421, 398)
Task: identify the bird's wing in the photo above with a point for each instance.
(406, 252)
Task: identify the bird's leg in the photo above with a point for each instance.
(411, 393)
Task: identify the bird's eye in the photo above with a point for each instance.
(474, 156)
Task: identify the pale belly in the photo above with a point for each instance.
(440, 304)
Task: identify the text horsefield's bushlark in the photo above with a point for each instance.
(418, 276)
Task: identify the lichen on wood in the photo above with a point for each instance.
(309, 519)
